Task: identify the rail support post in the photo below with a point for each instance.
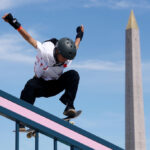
(17, 136)
(55, 144)
(36, 140)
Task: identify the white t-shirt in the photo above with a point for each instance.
(45, 64)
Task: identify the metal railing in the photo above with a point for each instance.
(49, 125)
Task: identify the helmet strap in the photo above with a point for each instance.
(56, 58)
(55, 55)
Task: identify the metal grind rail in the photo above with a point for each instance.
(49, 125)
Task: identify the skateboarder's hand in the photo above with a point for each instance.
(12, 21)
(80, 31)
(8, 17)
(4, 17)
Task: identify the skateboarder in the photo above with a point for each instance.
(53, 56)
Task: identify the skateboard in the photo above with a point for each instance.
(78, 113)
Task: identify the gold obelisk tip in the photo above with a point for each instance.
(132, 22)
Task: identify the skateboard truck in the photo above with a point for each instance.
(72, 117)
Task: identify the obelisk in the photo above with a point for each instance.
(134, 108)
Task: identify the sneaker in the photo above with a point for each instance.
(69, 111)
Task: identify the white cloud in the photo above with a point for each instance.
(99, 65)
(12, 49)
(131, 4)
(4, 4)
(7, 4)
(118, 4)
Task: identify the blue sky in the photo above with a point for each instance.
(100, 60)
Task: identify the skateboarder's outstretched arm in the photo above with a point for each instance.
(13, 22)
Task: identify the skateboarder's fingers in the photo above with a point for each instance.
(82, 28)
(4, 18)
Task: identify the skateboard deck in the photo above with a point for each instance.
(25, 131)
(78, 113)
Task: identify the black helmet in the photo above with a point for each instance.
(66, 47)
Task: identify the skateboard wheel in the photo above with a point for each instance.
(29, 135)
(71, 122)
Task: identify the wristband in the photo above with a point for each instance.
(79, 33)
(19, 28)
(14, 23)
